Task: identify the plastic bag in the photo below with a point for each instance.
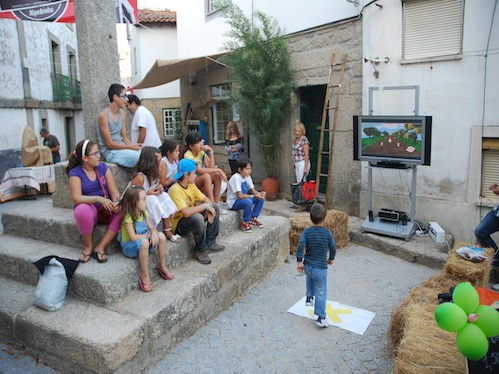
(296, 193)
(474, 254)
(50, 292)
(308, 190)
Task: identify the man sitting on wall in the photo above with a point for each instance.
(111, 130)
(144, 128)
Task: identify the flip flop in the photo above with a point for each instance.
(85, 258)
(164, 275)
(144, 287)
(102, 259)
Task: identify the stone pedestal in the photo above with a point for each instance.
(62, 198)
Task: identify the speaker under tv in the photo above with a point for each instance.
(392, 141)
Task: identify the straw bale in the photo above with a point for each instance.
(336, 221)
(425, 294)
(425, 347)
(478, 274)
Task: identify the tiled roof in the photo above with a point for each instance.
(157, 16)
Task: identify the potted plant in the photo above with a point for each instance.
(262, 79)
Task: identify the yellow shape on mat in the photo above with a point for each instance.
(333, 314)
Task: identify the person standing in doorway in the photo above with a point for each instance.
(301, 160)
(111, 130)
(144, 130)
(53, 143)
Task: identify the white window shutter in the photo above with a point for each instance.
(432, 28)
(490, 164)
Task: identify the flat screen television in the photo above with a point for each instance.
(392, 140)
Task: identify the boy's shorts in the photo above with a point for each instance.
(132, 248)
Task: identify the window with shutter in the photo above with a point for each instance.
(490, 166)
(432, 29)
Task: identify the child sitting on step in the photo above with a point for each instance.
(138, 236)
(241, 194)
(159, 204)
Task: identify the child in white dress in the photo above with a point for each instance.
(160, 206)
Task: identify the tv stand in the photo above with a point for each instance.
(401, 229)
(389, 165)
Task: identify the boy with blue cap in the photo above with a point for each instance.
(194, 209)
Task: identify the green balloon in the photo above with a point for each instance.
(450, 317)
(466, 297)
(472, 342)
(488, 320)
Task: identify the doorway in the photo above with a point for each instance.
(311, 107)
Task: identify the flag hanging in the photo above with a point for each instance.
(60, 10)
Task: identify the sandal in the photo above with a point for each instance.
(101, 259)
(163, 274)
(85, 258)
(144, 287)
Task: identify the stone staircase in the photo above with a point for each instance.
(107, 324)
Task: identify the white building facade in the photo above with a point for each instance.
(40, 80)
(445, 48)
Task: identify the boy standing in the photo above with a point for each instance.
(320, 252)
(191, 217)
(241, 194)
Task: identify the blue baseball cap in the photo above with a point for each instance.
(185, 165)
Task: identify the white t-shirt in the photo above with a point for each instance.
(238, 183)
(144, 118)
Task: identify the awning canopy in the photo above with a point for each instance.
(165, 71)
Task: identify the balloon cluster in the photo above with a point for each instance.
(473, 323)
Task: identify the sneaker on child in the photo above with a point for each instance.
(246, 227)
(309, 301)
(255, 223)
(322, 322)
(223, 212)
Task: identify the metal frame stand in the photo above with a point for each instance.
(396, 229)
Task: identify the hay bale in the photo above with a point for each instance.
(425, 347)
(426, 294)
(336, 221)
(478, 274)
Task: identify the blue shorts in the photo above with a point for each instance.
(132, 248)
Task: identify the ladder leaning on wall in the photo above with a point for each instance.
(327, 149)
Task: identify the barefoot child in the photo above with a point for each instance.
(160, 206)
(241, 194)
(207, 173)
(317, 243)
(138, 236)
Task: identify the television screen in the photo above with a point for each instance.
(392, 139)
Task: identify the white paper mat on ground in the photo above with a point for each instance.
(340, 315)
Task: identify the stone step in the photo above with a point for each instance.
(121, 273)
(42, 221)
(106, 324)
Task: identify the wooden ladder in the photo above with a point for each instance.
(325, 128)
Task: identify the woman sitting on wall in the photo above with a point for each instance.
(96, 197)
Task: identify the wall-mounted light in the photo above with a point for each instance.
(375, 61)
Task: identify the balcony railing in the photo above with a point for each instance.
(65, 89)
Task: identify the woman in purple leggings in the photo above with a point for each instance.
(92, 186)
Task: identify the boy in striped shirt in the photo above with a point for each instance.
(318, 244)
